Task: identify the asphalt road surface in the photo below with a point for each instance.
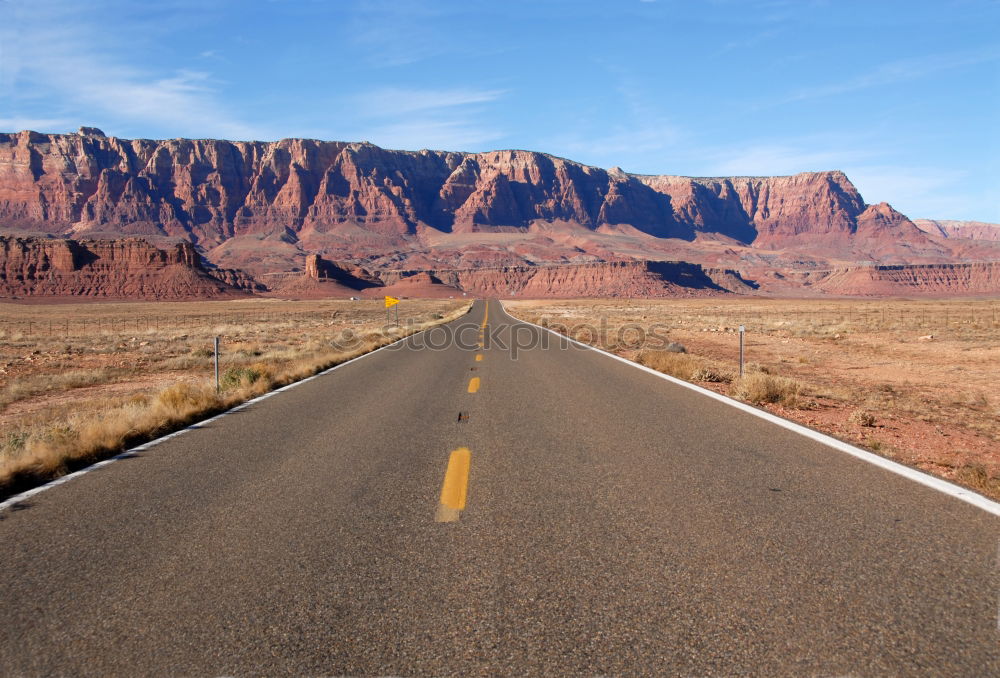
(424, 512)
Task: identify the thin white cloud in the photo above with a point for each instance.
(753, 40)
(389, 33)
(896, 71)
(397, 101)
(917, 191)
(768, 159)
(643, 131)
(36, 124)
(768, 11)
(413, 118)
(65, 63)
(616, 145)
(449, 135)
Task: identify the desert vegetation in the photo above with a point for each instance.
(81, 382)
(911, 380)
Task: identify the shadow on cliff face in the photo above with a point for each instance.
(683, 274)
(81, 255)
(647, 211)
(743, 231)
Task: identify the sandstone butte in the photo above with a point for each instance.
(95, 216)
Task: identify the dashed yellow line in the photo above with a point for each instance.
(473, 384)
(482, 329)
(455, 488)
(479, 357)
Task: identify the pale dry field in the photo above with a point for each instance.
(915, 381)
(82, 381)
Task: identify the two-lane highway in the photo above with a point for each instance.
(447, 507)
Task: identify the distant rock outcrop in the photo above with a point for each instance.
(132, 268)
(611, 279)
(129, 268)
(321, 279)
(928, 279)
(355, 277)
(238, 279)
(966, 230)
(421, 285)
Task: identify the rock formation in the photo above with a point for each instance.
(966, 230)
(422, 285)
(351, 214)
(321, 279)
(355, 277)
(611, 279)
(237, 278)
(129, 268)
(928, 279)
(209, 191)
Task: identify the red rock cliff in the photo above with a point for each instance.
(610, 279)
(209, 191)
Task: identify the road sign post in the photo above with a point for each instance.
(743, 331)
(389, 303)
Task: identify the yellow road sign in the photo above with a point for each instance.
(391, 301)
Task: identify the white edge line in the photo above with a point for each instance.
(18, 498)
(913, 474)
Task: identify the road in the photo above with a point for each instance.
(555, 512)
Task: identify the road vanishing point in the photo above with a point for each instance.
(449, 507)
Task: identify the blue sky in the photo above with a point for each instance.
(903, 96)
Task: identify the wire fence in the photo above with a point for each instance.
(873, 318)
(922, 315)
(124, 325)
(899, 317)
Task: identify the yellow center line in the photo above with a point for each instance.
(482, 328)
(473, 384)
(455, 488)
(479, 357)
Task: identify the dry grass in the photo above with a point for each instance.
(756, 386)
(680, 365)
(38, 384)
(979, 479)
(912, 380)
(760, 388)
(50, 426)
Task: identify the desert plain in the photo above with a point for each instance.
(79, 382)
(912, 380)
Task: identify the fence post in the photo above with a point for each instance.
(743, 330)
(217, 387)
